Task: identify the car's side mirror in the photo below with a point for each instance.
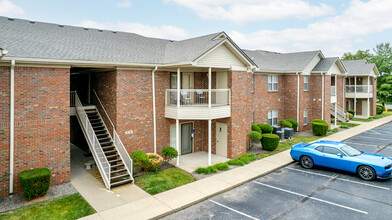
(339, 155)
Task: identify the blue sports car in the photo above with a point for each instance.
(341, 156)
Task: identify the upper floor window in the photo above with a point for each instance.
(253, 82)
(272, 83)
(305, 117)
(253, 118)
(273, 117)
(306, 83)
(347, 81)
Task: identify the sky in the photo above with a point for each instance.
(332, 26)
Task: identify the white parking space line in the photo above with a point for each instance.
(231, 209)
(351, 181)
(306, 196)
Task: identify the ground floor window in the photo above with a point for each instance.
(305, 117)
(273, 117)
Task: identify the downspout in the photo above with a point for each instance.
(297, 99)
(322, 96)
(153, 109)
(12, 116)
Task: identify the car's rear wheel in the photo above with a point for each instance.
(366, 172)
(306, 162)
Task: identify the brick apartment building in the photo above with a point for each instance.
(59, 81)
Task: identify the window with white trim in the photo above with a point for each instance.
(273, 117)
(253, 82)
(305, 117)
(253, 118)
(306, 83)
(272, 83)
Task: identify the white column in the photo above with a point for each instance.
(336, 95)
(344, 93)
(153, 109)
(178, 140)
(209, 87)
(209, 142)
(322, 96)
(368, 104)
(355, 96)
(12, 126)
(178, 86)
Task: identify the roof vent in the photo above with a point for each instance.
(32, 22)
(85, 29)
(10, 19)
(114, 32)
(60, 25)
(100, 30)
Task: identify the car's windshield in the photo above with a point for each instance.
(350, 151)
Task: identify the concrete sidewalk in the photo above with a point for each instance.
(178, 198)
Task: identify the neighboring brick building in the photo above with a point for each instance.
(222, 90)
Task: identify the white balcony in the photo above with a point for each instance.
(359, 91)
(194, 104)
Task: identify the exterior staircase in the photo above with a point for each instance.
(341, 115)
(112, 159)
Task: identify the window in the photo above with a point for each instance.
(320, 148)
(272, 83)
(253, 82)
(305, 117)
(306, 79)
(253, 118)
(347, 81)
(331, 150)
(173, 80)
(273, 117)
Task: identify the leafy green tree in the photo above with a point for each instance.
(360, 55)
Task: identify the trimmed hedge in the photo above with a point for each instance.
(35, 182)
(270, 142)
(242, 160)
(319, 127)
(256, 128)
(351, 111)
(221, 166)
(206, 170)
(293, 122)
(138, 157)
(169, 153)
(350, 116)
(379, 109)
(285, 123)
(265, 128)
(254, 135)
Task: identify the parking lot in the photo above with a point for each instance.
(296, 193)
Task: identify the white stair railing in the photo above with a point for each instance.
(93, 143)
(341, 114)
(117, 141)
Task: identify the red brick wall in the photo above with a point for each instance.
(327, 99)
(41, 124)
(340, 92)
(290, 98)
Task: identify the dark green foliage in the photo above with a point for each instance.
(285, 123)
(236, 162)
(351, 112)
(248, 157)
(206, 170)
(35, 182)
(242, 160)
(270, 142)
(265, 128)
(221, 166)
(293, 122)
(256, 128)
(138, 157)
(169, 153)
(319, 127)
(380, 109)
(254, 135)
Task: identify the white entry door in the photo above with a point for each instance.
(221, 139)
(364, 108)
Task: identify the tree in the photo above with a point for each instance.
(360, 55)
(384, 91)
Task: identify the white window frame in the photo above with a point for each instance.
(253, 118)
(253, 82)
(305, 116)
(306, 83)
(273, 116)
(273, 83)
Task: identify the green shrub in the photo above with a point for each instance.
(206, 170)
(285, 124)
(332, 121)
(248, 157)
(256, 128)
(319, 127)
(236, 162)
(293, 122)
(169, 153)
(351, 111)
(333, 130)
(270, 142)
(35, 182)
(254, 135)
(138, 157)
(152, 162)
(379, 109)
(350, 116)
(265, 128)
(221, 166)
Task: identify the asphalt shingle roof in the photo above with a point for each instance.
(358, 67)
(284, 62)
(325, 64)
(26, 39)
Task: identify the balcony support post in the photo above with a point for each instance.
(322, 96)
(209, 142)
(178, 87)
(368, 100)
(355, 96)
(178, 140)
(336, 95)
(209, 87)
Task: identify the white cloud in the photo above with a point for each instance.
(334, 35)
(248, 11)
(164, 31)
(7, 8)
(124, 4)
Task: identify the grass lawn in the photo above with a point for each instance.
(347, 125)
(68, 207)
(361, 119)
(163, 180)
(385, 114)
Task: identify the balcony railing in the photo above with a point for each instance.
(359, 89)
(198, 97)
(333, 91)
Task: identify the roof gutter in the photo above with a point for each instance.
(12, 128)
(153, 108)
